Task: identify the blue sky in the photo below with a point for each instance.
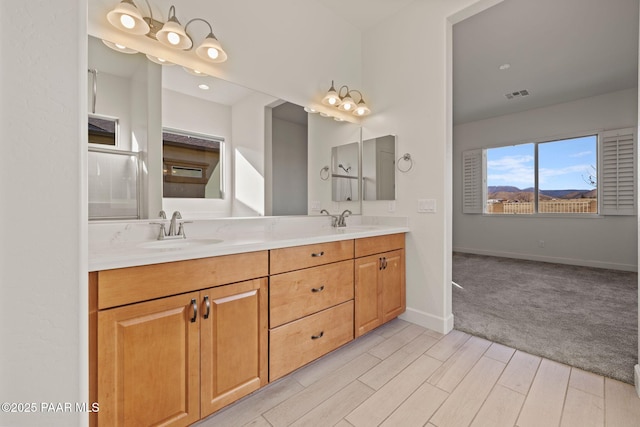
(563, 164)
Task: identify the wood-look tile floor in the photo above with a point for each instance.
(404, 375)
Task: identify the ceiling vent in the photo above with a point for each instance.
(518, 94)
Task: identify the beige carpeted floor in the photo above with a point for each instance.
(581, 316)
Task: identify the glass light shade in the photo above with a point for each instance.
(159, 60)
(331, 98)
(118, 47)
(310, 110)
(126, 17)
(361, 109)
(347, 104)
(210, 50)
(173, 35)
(194, 72)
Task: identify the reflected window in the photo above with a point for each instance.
(192, 165)
(103, 130)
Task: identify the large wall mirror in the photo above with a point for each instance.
(249, 163)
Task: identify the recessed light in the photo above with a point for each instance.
(203, 86)
(505, 66)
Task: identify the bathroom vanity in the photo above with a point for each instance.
(176, 335)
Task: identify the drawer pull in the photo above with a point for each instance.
(207, 305)
(315, 337)
(320, 289)
(194, 304)
(317, 254)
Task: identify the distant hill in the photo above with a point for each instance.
(505, 192)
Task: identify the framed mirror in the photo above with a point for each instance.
(379, 168)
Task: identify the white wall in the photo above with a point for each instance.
(188, 113)
(410, 91)
(289, 168)
(608, 242)
(43, 212)
(249, 142)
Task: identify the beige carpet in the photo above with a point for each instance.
(584, 317)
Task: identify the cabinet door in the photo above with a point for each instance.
(368, 307)
(148, 363)
(393, 285)
(233, 339)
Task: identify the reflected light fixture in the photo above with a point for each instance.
(159, 60)
(127, 18)
(344, 101)
(119, 47)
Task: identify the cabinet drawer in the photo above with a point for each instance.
(134, 284)
(375, 245)
(299, 257)
(298, 343)
(300, 293)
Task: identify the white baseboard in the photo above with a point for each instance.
(429, 321)
(556, 260)
(637, 379)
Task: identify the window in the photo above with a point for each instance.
(192, 165)
(583, 175)
(103, 130)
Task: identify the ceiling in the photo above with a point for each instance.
(558, 51)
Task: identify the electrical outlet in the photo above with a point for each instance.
(315, 205)
(541, 243)
(392, 206)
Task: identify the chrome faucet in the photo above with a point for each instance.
(176, 229)
(334, 218)
(343, 216)
(173, 230)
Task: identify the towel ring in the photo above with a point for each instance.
(407, 158)
(324, 173)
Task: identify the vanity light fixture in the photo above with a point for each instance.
(159, 60)
(118, 47)
(344, 101)
(194, 72)
(126, 17)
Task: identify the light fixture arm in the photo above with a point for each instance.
(359, 93)
(199, 19)
(150, 10)
(340, 91)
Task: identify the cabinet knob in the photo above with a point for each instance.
(315, 337)
(320, 289)
(317, 254)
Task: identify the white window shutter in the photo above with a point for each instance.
(473, 181)
(618, 167)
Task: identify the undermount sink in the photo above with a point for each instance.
(178, 243)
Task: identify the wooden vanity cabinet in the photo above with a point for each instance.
(233, 343)
(311, 303)
(379, 281)
(149, 363)
(176, 359)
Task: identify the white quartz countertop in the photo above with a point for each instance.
(123, 247)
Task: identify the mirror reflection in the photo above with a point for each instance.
(253, 167)
(378, 168)
(345, 173)
(191, 165)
